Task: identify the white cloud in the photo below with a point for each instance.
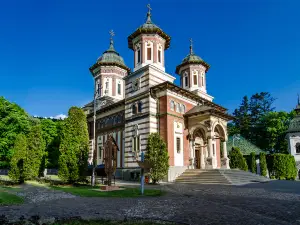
(60, 116)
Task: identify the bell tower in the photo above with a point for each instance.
(149, 43)
(192, 72)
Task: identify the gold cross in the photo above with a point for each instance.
(149, 8)
(112, 33)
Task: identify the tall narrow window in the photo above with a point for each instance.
(202, 79)
(177, 107)
(119, 88)
(213, 147)
(140, 107)
(298, 148)
(195, 79)
(139, 55)
(178, 145)
(159, 56)
(149, 53)
(133, 109)
(106, 84)
(186, 84)
(172, 105)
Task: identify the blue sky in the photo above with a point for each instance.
(46, 47)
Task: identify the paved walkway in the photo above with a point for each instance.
(276, 202)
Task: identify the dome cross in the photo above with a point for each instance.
(191, 46)
(149, 14)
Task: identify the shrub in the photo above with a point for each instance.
(157, 156)
(252, 162)
(237, 160)
(263, 164)
(282, 166)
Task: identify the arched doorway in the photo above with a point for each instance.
(219, 136)
(200, 148)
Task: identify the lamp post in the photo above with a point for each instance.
(97, 95)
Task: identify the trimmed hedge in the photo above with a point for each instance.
(237, 161)
(263, 164)
(282, 166)
(252, 162)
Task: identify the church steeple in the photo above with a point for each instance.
(149, 43)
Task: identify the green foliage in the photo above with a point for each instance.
(18, 158)
(9, 199)
(263, 164)
(157, 156)
(13, 121)
(252, 162)
(237, 161)
(282, 166)
(74, 146)
(34, 163)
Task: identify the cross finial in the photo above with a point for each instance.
(149, 8)
(191, 46)
(149, 14)
(112, 33)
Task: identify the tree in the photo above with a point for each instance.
(157, 156)
(252, 162)
(242, 118)
(16, 171)
(51, 131)
(13, 121)
(237, 161)
(263, 164)
(74, 146)
(34, 163)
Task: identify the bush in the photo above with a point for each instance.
(157, 157)
(263, 164)
(237, 160)
(282, 166)
(252, 162)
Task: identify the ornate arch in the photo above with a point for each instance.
(220, 129)
(194, 128)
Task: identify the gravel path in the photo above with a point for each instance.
(267, 203)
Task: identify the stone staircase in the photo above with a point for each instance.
(219, 176)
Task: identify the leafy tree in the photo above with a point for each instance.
(34, 162)
(237, 161)
(74, 146)
(13, 121)
(157, 156)
(263, 164)
(252, 162)
(51, 131)
(19, 156)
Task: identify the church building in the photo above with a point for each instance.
(132, 103)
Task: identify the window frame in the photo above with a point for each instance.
(178, 145)
(297, 146)
(172, 105)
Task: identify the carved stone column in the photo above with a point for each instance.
(202, 155)
(225, 160)
(192, 153)
(209, 159)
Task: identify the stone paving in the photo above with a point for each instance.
(276, 202)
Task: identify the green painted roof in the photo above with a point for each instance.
(245, 146)
(294, 125)
(111, 55)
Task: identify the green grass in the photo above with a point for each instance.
(87, 191)
(7, 198)
(106, 222)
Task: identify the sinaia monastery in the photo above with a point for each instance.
(133, 103)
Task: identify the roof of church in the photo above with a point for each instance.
(192, 58)
(149, 28)
(110, 57)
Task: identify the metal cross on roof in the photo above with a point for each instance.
(191, 46)
(112, 33)
(149, 8)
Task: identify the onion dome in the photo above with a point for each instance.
(295, 122)
(192, 58)
(149, 28)
(110, 57)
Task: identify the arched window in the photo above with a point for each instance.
(172, 104)
(149, 47)
(202, 79)
(159, 53)
(183, 109)
(185, 80)
(195, 78)
(177, 107)
(119, 88)
(298, 148)
(138, 53)
(140, 107)
(133, 107)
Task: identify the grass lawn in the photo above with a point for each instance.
(106, 222)
(88, 191)
(7, 198)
